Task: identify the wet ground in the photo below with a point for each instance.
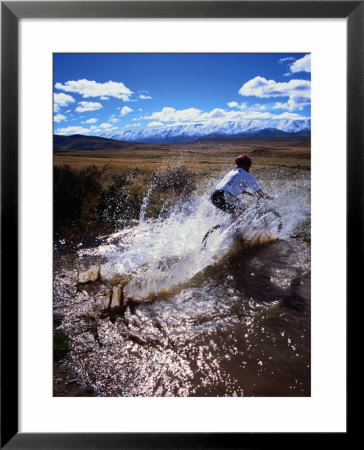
(240, 326)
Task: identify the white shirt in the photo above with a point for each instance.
(237, 180)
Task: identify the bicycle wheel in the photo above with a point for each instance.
(268, 221)
(207, 237)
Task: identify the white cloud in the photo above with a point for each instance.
(216, 113)
(220, 116)
(88, 106)
(113, 119)
(288, 115)
(252, 112)
(59, 118)
(88, 88)
(140, 109)
(104, 97)
(128, 125)
(62, 100)
(145, 97)
(125, 110)
(105, 125)
(280, 105)
(295, 102)
(261, 87)
(258, 107)
(102, 128)
(299, 98)
(298, 91)
(302, 65)
(72, 130)
(286, 60)
(172, 115)
(232, 104)
(93, 120)
(243, 106)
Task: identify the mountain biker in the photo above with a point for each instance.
(234, 183)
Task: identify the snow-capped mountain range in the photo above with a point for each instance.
(230, 129)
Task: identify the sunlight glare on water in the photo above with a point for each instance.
(162, 254)
(228, 319)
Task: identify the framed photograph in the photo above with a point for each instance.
(164, 165)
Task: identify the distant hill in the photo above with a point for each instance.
(89, 143)
(281, 140)
(198, 131)
(78, 142)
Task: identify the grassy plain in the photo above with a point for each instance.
(205, 158)
(103, 187)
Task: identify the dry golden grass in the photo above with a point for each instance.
(205, 158)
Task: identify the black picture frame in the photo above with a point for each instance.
(11, 12)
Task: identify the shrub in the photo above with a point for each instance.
(119, 201)
(75, 194)
(176, 180)
(91, 195)
(60, 345)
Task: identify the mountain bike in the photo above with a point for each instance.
(256, 222)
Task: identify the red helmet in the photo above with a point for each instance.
(243, 159)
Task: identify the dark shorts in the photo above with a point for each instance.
(218, 199)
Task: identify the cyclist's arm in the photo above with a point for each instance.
(257, 190)
(260, 194)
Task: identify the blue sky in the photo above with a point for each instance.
(110, 93)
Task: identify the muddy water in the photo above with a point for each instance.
(229, 320)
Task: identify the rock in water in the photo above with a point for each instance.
(102, 303)
(117, 298)
(94, 273)
(91, 275)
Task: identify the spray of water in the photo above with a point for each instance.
(160, 255)
(144, 206)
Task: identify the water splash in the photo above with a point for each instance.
(231, 319)
(166, 253)
(144, 206)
